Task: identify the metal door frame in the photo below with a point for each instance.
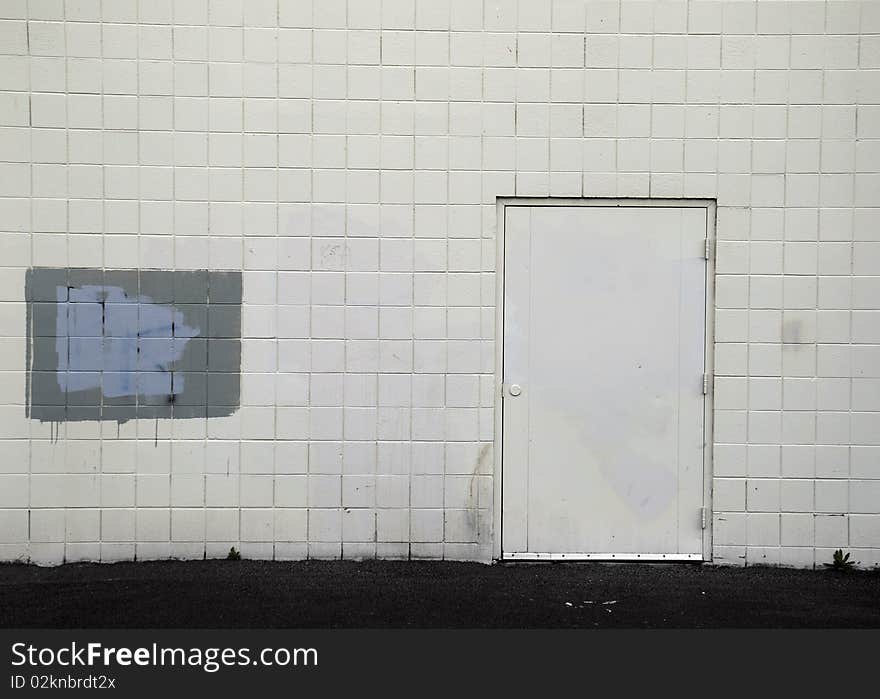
(501, 205)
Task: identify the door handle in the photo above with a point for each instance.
(515, 389)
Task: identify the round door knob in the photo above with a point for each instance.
(515, 389)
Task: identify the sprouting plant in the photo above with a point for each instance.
(233, 555)
(840, 561)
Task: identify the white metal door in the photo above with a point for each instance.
(604, 323)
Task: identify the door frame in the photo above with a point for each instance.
(501, 205)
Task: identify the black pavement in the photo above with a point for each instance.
(421, 594)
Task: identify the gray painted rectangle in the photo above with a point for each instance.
(123, 344)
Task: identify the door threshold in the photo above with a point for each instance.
(533, 556)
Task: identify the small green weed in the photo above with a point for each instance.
(840, 561)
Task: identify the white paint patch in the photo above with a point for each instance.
(101, 349)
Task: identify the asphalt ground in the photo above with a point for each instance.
(423, 594)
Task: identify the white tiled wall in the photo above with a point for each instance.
(347, 156)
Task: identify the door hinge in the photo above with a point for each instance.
(702, 518)
(706, 380)
(707, 248)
